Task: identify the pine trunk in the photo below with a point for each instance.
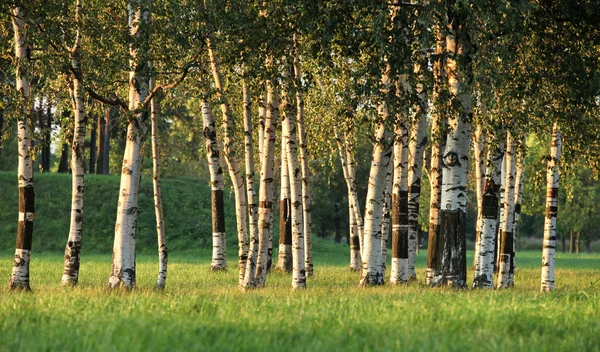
(19, 278)
(73, 247)
(505, 269)
(265, 197)
(122, 272)
(484, 269)
(451, 268)
(549, 244)
(479, 146)
(248, 276)
(371, 257)
(161, 280)
(230, 152)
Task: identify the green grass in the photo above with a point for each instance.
(204, 311)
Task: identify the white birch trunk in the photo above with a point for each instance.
(371, 256)
(386, 216)
(73, 248)
(213, 155)
(161, 280)
(506, 235)
(501, 213)
(122, 272)
(19, 279)
(452, 265)
(399, 272)
(552, 179)
(250, 189)
(418, 141)
(262, 113)
(284, 257)
(265, 198)
(519, 179)
(484, 268)
(478, 146)
(355, 237)
(230, 153)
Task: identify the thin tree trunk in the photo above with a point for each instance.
(250, 191)
(93, 147)
(578, 242)
(284, 257)
(479, 146)
(452, 265)
(106, 149)
(400, 225)
(213, 154)
(571, 241)
(100, 141)
(501, 214)
(484, 268)
(418, 141)
(507, 236)
(519, 180)
(303, 158)
(295, 178)
(371, 257)
(386, 215)
(230, 152)
(552, 178)
(19, 278)
(161, 280)
(73, 247)
(1, 129)
(122, 272)
(265, 198)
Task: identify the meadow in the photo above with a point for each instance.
(202, 310)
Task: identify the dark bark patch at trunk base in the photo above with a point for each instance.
(451, 269)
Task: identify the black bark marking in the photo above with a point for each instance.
(218, 212)
(451, 251)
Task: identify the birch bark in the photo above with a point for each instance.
(400, 226)
(284, 257)
(484, 268)
(19, 278)
(73, 248)
(371, 259)
(265, 198)
(386, 215)
(552, 180)
(230, 152)
(161, 280)
(219, 238)
(452, 265)
(250, 190)
(478, 153)
(519, 179)
(506, 235)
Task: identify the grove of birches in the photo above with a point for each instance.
(444, 95)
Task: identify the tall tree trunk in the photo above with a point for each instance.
(506, 231)
(501, 214)
(478, 153)
(213, 154)
(571, 241)
(452, 265)
(265, 197)
(1, 129)
(400, 225)
(284, 257)
(45, 128)
(100, 141)
(248, 276)
(437, 150)
(552, 178)
(73, 247)
(303, 158)
(161, 280)
(519, 181)
(353, 208)
(484, 268)
(105, 155)
(418, 141)
(578, 242)
(371, 257)
(230, 152)
(386, 215)
(122, 272)
(290, 132)
(19, 278)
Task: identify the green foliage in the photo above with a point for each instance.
(203, 310)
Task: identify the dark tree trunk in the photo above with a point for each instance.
(63, 165)
(105, 155)
(93, 149)
(1, 129)
(564, 245)
(44, 123)
(571, 242)
(578, 242)
(99, 143)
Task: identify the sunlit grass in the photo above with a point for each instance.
(205, 311)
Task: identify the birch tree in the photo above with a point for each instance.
(284, 257)
(552, 180)
(19, 278)
(506, 237)
(478, 155)
(399, 272)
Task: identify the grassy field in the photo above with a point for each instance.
(204, 311)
